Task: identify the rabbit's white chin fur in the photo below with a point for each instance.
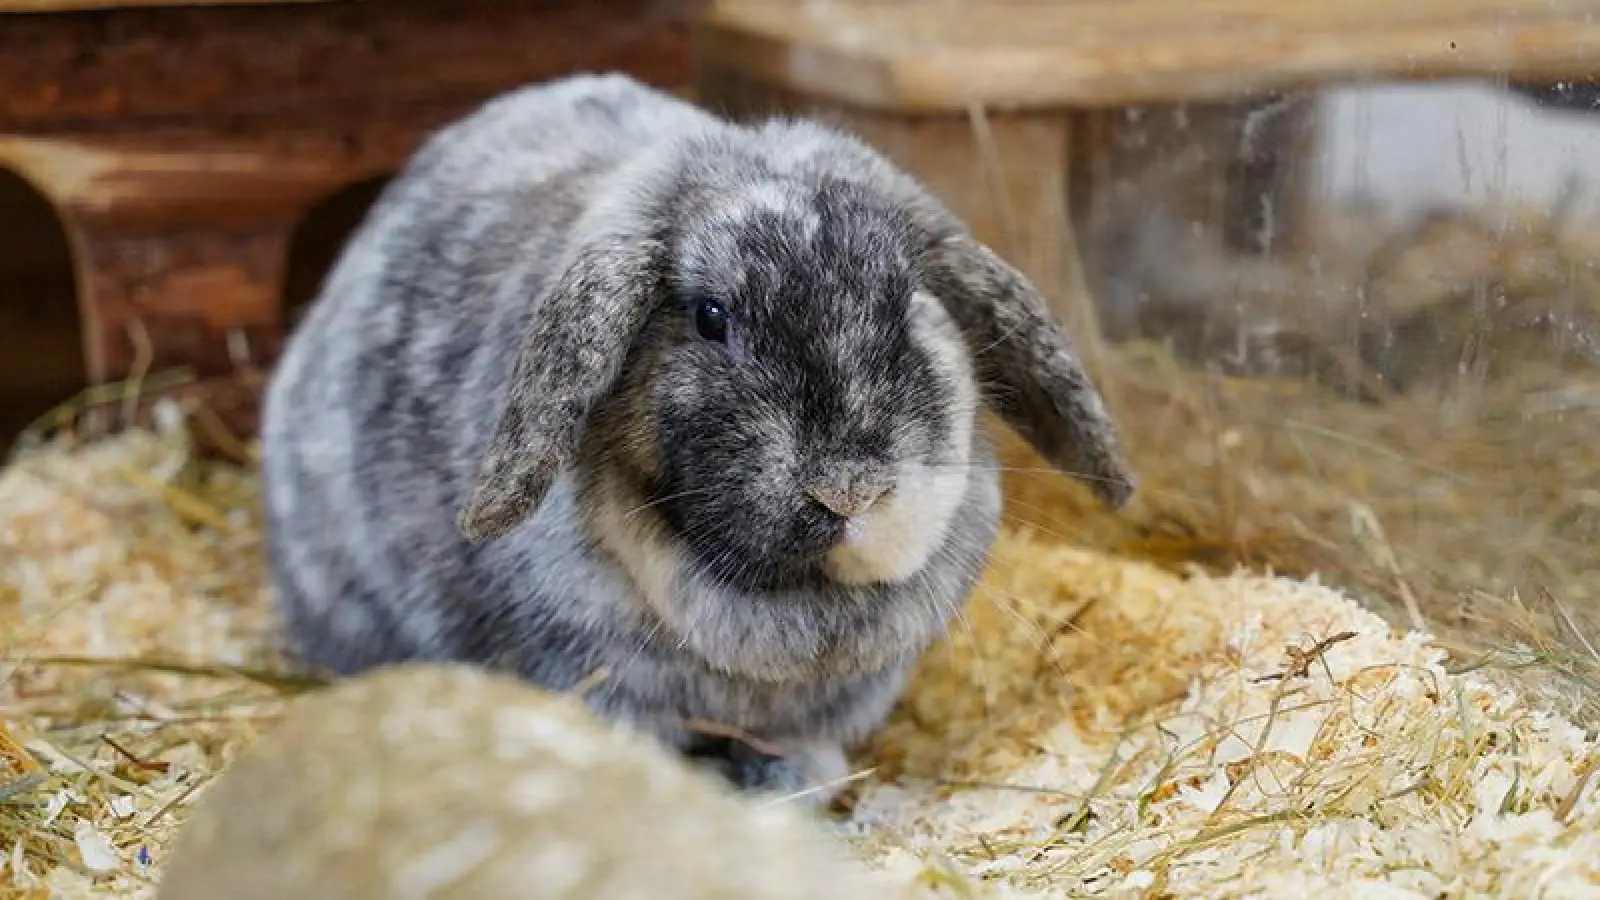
(893, 540)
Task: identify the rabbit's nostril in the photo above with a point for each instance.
(849, 497)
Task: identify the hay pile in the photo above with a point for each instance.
(121, 550)
(1108, 729)
(1093, 725)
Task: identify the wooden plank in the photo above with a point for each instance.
(152, 182)
(60, 6)
(943, 55)
(327, 63)
(180, 248)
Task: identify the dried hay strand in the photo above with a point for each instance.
(1093, 725)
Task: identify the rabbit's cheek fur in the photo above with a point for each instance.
(895, 538)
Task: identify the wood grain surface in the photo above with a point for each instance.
(942, 55)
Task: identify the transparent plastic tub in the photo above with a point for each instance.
(1356, 332)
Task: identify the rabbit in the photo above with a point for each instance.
(627, 398)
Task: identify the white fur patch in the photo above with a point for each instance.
(894, 540)
(784, 201)
(706, 256)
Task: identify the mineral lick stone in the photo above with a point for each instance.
(442, 782)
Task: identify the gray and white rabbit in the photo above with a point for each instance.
(608, 390)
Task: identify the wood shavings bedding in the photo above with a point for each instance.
(1092, 726)
(96, 560)
(1151, 735)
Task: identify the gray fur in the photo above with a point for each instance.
(497, 436)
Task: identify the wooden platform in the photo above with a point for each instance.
(1028, 116)
(181, 142)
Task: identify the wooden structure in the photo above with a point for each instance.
(1017, 112)
(181, 141)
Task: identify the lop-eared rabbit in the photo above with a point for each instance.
(609, 392)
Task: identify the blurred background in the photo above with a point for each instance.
(1334, 263)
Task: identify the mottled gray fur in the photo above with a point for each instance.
(503, 434)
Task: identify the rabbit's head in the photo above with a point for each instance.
(779, 345)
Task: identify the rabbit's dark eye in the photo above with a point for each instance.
(711, 320)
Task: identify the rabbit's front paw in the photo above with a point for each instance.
(810, 772)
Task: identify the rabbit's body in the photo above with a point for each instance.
(504, 334)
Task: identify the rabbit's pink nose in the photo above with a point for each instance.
(849, 496)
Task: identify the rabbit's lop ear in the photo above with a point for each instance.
(581, 329)
(1026, 359)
